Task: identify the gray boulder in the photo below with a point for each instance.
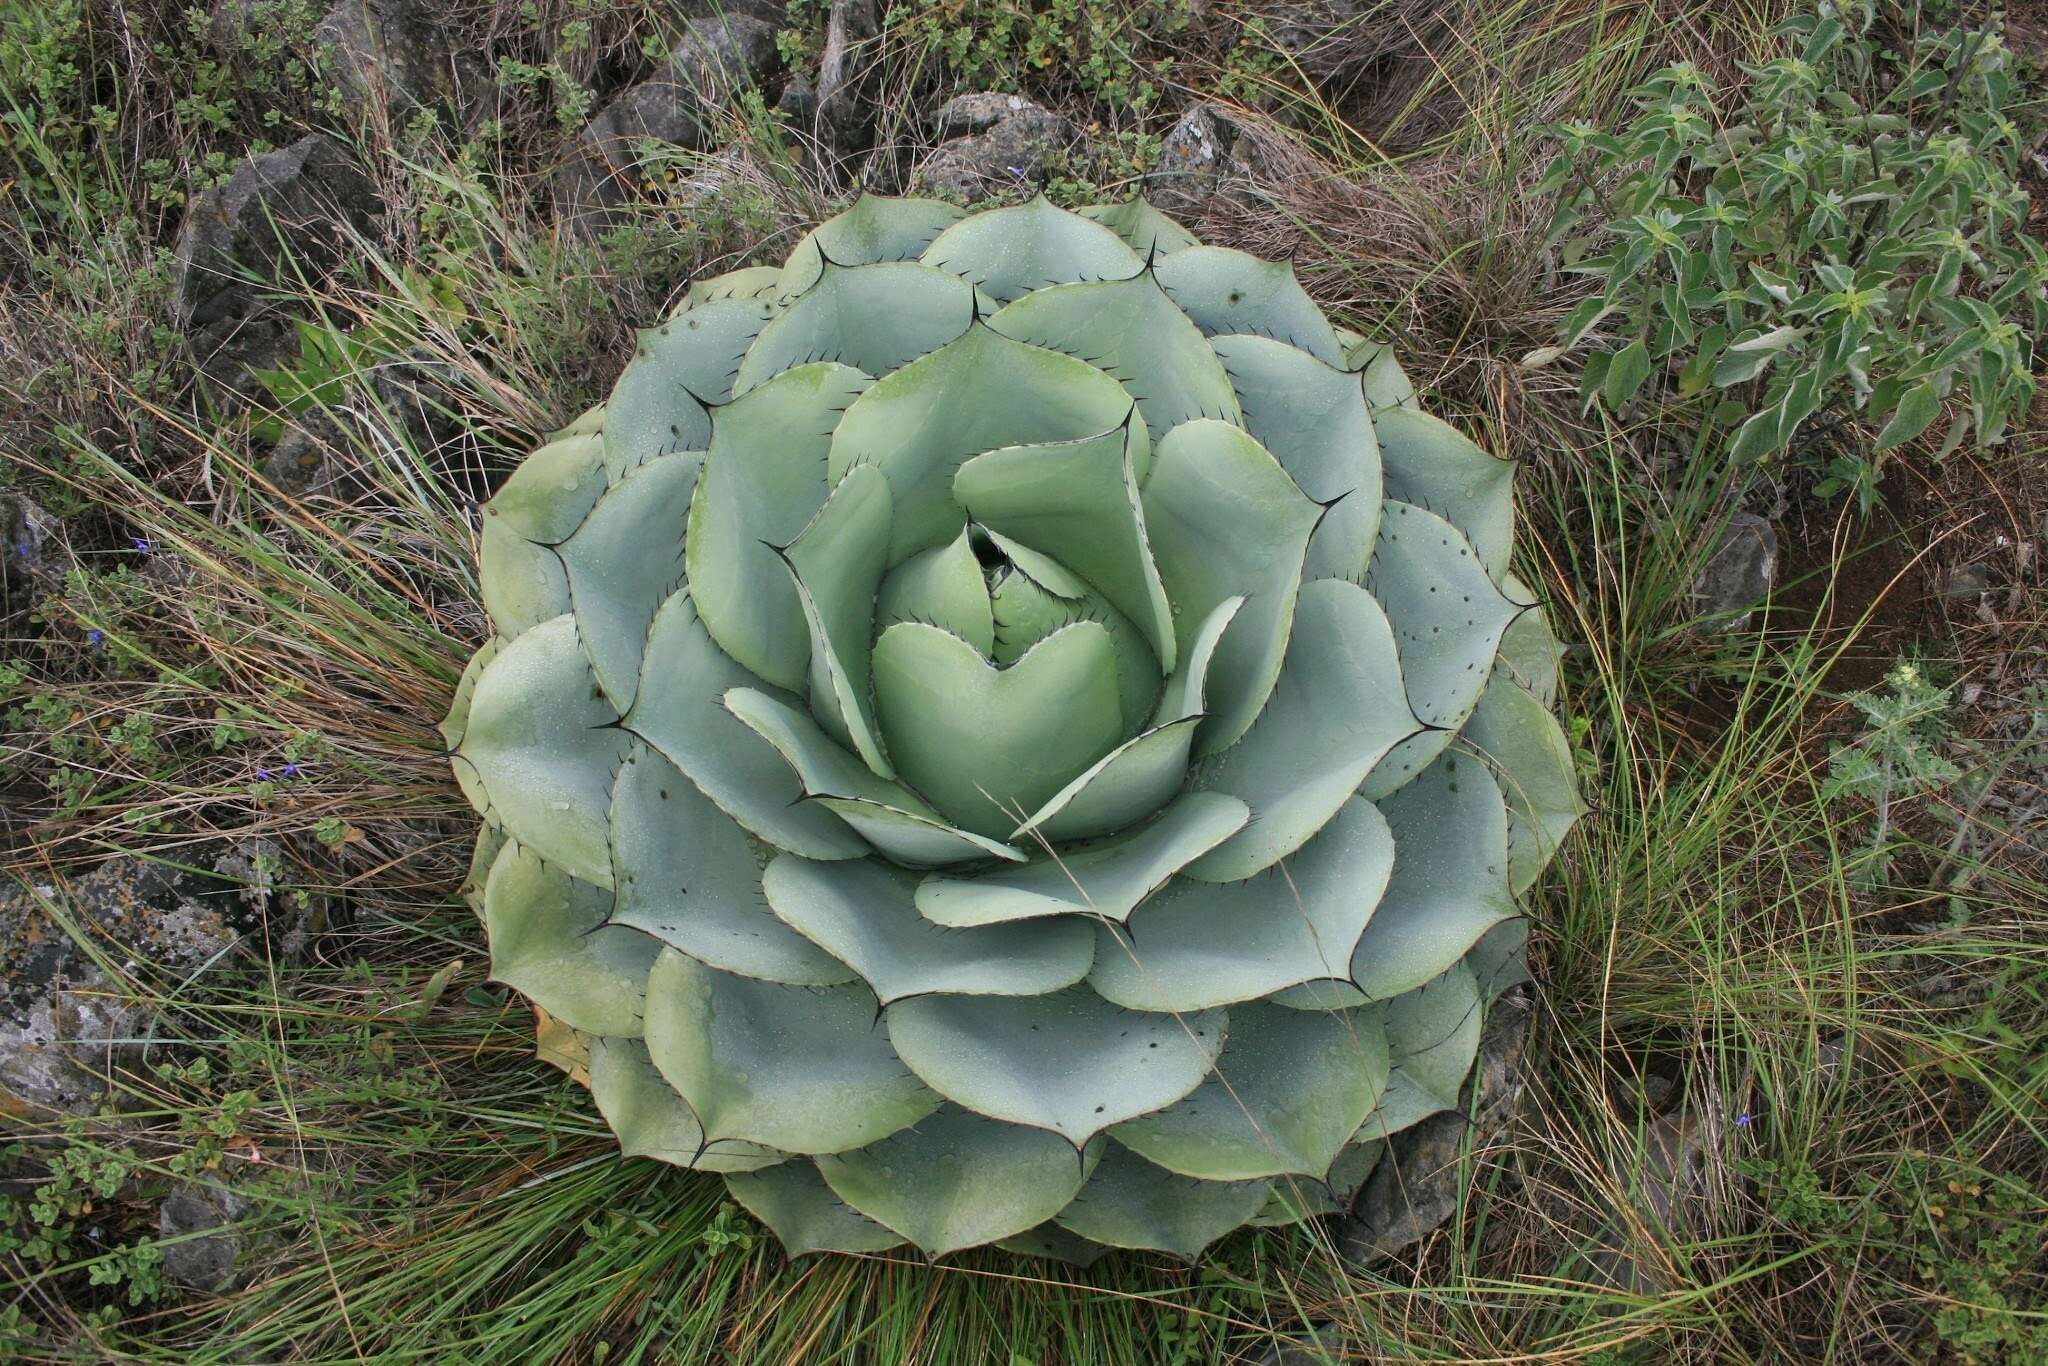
(1217, 151)
(680, 104)
(281, 215)
(202, 1250)
(1417, 1184)
(1736, 575)
(991, 143)
(33, 551)
(403, 54)
(65, 1019)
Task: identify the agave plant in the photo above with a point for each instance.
(1010, 728)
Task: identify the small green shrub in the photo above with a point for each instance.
(1842, 237)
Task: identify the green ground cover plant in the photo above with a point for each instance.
(1843, 236)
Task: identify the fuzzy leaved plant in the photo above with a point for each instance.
(1010, 728)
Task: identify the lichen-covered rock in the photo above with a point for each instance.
(1010, 728)
(202, 1249)
(681, 105)
(64, 1019)
(403, 54)
(1421, 1179)
(1737, 575)
(281, 215)
(991, 144)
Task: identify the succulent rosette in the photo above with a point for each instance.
(1010, 728)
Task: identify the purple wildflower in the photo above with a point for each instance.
(262, 775)
(142, 545)
(291, 770)
(96, 638)
(1742, 1120)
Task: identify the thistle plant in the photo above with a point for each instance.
(1010, 728)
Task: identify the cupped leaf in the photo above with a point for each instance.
(1069, 1062)
(657, 406)
(489, 844)
(680, 710)
(874, 229)
(1289, 1091)
(1129, 1202)
(523, 583)
(793, 1199)
(888, 816)
(549, 941)
(1010, 252)
(542, 745)
(1501, 958)
(1108, 879)
(1077, 502)
(865, 914)
(687, 875)
(1532, 762)
(1142, 774)
(987, 745)
(1026, 612)
(1529, 651)
(562, 1047)
(1386, 383)
(552, 491)
(763, 481)
(875, 318)
(1297, 1198)
(1202, 944)
(1432, 1039)
(456, 722)
(1056, 1243)
(1228, 291)
(651, 1120)
(1336, 711)
(1448, 620)
(1132, 330)
(1225, 521)
(837, 562)
(802, 1069)
(1312, 417)
(955, 1180)
(1144, 229)
(1450, 883)
(941, 587)
(1432, 464)
(913, 840)
(623, 563)
(748, 282)
(974, 394)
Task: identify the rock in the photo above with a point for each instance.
(1669, 1187)
(680, 104)
(301, 462)
(837, 108)
(410, 401)
(195, 1230)
(1737, 574)
(293, 205)
(1416, 1186)
(1209, 151)
(33, 551)
(1967, 581)
(399, 52)
(64, 1020)
(991, 143)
